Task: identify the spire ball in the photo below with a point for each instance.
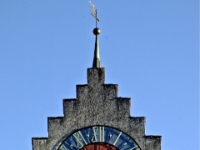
(96, 31)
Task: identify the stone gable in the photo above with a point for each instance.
(96, 103)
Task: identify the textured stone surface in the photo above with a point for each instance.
(96, 103)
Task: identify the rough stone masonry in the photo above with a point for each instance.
(96, 103)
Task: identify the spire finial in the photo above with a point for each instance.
(96, 31)
(96, 59)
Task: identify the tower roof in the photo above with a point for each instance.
(96, 59)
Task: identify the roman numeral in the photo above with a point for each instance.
(95, 134)
(134, 148)
(117, 138)
(78, 140)
(101, 134)
(82, 137)
(63, 148)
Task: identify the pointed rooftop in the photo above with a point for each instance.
(96, 59)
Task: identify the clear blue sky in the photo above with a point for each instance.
(148, 47)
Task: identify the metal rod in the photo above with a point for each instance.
(96, 18)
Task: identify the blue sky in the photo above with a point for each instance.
(150, 48)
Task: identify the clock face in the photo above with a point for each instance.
(98, 138)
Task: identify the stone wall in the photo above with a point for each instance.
(96, 103)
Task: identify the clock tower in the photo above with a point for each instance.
(97, 119)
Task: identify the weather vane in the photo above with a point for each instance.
(96, 31)
(94, 13)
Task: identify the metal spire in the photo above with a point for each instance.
(96, 31)
(96, 59)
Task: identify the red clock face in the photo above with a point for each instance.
(99, 146)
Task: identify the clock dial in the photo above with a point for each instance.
(98, 138)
